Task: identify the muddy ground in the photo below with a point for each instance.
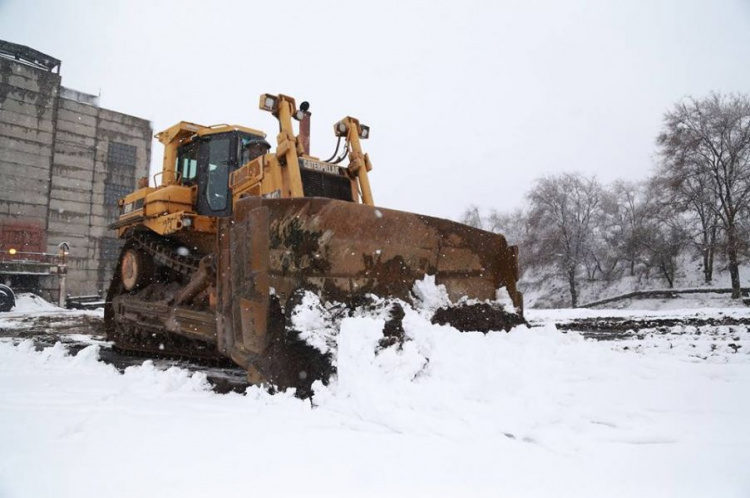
(614, 328)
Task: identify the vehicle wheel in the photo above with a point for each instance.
(136, 269)
(7, 298)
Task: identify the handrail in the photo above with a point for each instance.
(177, 177)
(29, 256)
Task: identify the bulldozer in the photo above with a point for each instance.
(216, 256)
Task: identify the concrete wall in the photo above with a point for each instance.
(64, 162)
(28, 99)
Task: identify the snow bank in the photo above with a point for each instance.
(30, 308)
(533, 412)
(27, 302)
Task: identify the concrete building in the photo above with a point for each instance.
(64, 163)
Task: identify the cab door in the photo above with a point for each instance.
(216, 159)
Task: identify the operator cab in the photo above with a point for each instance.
(207, 161)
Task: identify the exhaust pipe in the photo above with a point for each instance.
(304, 128)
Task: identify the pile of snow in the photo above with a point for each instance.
(532, 412)
(27, 302)
(319, 324)
(315, 323)
(430, 296)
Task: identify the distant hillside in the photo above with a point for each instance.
(544, 291)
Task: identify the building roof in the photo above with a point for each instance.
(29, 56)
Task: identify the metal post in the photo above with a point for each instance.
(62, 270)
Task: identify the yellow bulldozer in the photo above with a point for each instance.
(216, 256)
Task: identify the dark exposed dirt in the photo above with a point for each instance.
(481, 317)
(291, 361)
(608, 328)
(393, 331)
(46, 330)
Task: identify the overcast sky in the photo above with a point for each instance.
(469, 102)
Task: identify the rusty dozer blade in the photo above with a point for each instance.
(274, 248)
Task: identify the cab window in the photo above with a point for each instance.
(188, 163)
(217, 186)
(247, 152)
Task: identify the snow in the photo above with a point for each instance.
(542, 289)
(430, 296)
(503, 298)
(533, 412)
(567, 314)
(314, 323)
(26, 302)
(28, 305)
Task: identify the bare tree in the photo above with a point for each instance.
(472, 217)
(661, 234)
(703, 205)
(629, 220)
(614, 247)
(695, 197)
(513, 225)
(561, 217)
(708, 141)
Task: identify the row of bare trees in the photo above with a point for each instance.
(698, 200)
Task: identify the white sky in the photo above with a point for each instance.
(468, 102)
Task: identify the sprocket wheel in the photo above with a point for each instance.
(136, 269)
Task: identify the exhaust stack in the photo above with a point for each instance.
(304, 127)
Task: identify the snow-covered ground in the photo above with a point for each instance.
(533, 412)
(27, 303)
(690, 312)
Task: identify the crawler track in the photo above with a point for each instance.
(147, 337)
(164, 253)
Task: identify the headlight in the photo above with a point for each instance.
(268, 102)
